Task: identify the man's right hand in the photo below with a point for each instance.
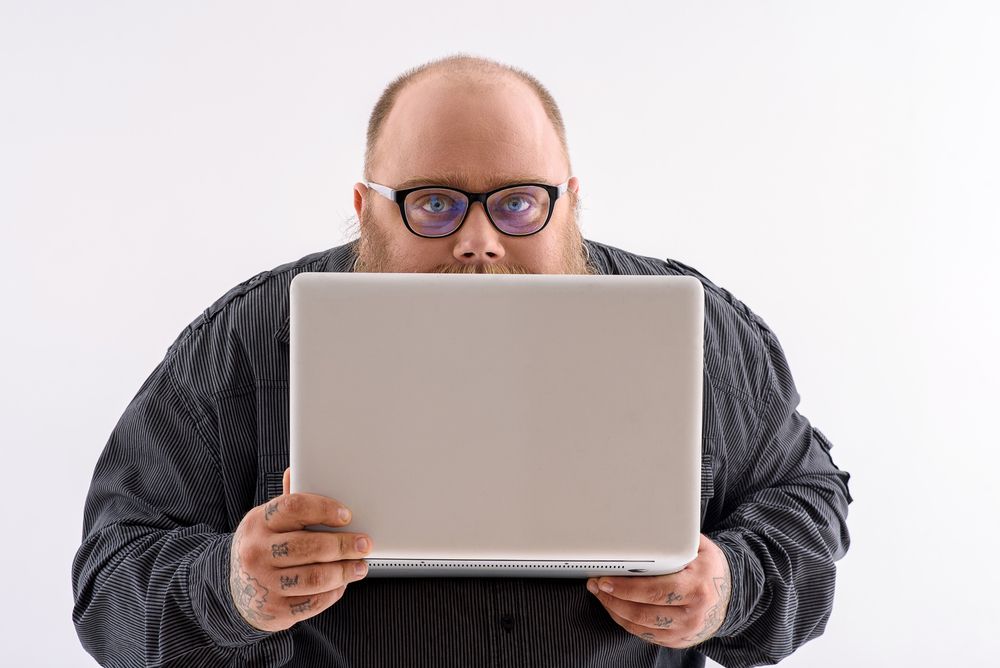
(280, 574)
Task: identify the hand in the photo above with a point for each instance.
(280, 574)
(677, 610)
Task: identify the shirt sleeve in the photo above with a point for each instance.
(786, 529)
(150, 580)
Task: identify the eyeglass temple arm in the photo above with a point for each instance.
(384, 191)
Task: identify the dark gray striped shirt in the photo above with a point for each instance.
(206, 438)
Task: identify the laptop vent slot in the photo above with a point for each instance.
(433, 564)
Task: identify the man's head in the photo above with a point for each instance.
(475, 125)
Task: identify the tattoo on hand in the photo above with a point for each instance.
(270, 509)
(289, 582)
(301, 607)
(711, 618)
(664, 622)
(672, 597)
(279, 550)
(647, 636)
(714, 616)
(722, 588)
(249, 595)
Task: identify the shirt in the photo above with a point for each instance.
(205, 439)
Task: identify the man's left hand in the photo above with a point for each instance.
(677, 610)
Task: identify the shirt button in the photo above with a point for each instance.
(507, 622)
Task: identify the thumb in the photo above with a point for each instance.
(285, 480)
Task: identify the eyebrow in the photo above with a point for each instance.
(456, 180)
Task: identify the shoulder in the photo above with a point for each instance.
(736, 339)
(232, 342)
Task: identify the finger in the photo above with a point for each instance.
(665, 638)
(671, 590)
(290, 512)
(317, 578)
(286, 482)
(304, 607)
(652, 617)
(296, 548)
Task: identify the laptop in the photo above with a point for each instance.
(502, 425)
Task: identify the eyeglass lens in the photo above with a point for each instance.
(435, 212)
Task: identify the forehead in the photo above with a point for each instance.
(459, 179)
(476, 134)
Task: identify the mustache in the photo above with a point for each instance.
(480, 269)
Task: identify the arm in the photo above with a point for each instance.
(150, 580)
(782, 532)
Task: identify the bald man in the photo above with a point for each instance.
(194, 552)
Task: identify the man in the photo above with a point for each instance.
(194, 552)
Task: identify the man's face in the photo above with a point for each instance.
(473, 135)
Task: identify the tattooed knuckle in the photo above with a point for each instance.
(660, 621)
(302, 607)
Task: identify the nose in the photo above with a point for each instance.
(477, 241)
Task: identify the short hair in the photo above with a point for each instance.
(459, 64)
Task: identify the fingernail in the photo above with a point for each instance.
(343, 514)
(592, 587)
(362, 544)
(360, 568)
(606, 587)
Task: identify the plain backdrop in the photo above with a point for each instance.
(833, 164)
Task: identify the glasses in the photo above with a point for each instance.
(518, 210)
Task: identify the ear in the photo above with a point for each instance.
(360, 192)
(574, 185)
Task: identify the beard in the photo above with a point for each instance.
(374, 254)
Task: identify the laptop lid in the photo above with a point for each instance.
(484, 425)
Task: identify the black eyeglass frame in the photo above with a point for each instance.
(399, 197)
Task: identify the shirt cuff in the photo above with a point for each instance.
(212, 600)
(746, 582)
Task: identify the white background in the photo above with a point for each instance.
(833, 164)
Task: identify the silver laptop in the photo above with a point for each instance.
(491, 425)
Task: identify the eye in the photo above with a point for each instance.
(436, 203)
(516, 203)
